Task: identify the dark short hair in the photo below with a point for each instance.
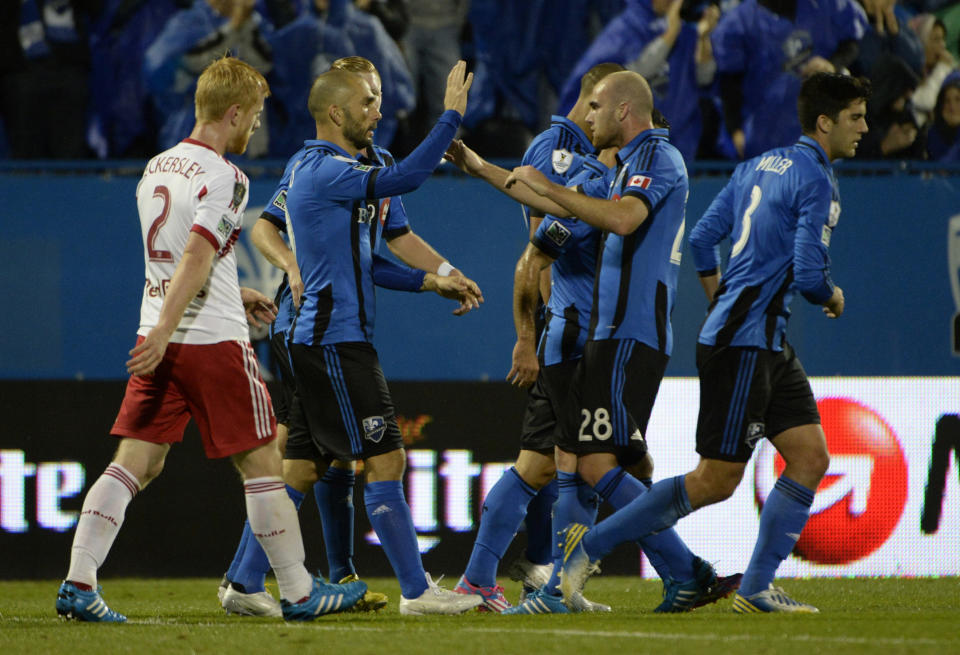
(593, 76)
(827, 94)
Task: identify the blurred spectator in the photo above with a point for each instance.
(887, 33)
(431, 47)
(120, 111)
(302, 50)
(673, 54)
(764, 49)
(45, 77)
(938, 62)
(392, 14)
(523, 52)
(369, 39)
(942, 141)
(893, 129)
(190, 40)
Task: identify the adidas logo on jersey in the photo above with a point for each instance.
(383, 509)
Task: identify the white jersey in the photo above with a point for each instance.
(191, 188)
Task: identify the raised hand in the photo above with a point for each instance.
(458, 86)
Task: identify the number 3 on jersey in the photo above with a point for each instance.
(156, 255)
(602, 428)
(755, 195)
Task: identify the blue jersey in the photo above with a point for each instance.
(636, 283)
(564, 153)
(559, 152)
(332, 204)
(779, 210)
(771, 65)
(573, 245)
(392, 223)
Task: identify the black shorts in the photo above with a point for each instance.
(281, 401)
(545, 401)
(747, 394)
(286, 405)
(345, 400)
(610, 400)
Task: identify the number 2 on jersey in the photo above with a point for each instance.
(155, 255)
(755, 195)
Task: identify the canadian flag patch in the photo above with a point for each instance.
(641, 181)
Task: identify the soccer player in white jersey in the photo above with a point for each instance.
(193, 356)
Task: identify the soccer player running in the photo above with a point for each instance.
(305, 466)
(639, 205)
(193, 355)
(779, 210)
(331, 204)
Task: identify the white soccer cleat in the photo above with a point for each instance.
(578, 603)
(222, 589)
(530, 574)
(772, 599)
(437, 600)
(260, 603)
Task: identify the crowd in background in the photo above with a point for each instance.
(115, 78)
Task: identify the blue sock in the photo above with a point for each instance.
(390, 517)
(576, 502)
(781, 522)
(245, 538)
(658, 509)
(334, 494)
(539, 524)
(250, 564)
(503, 512)
(666, 551)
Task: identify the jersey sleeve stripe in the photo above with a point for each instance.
(206, 234)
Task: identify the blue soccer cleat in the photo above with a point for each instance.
(539, 602)
(773, 599)
(324, 598)
(679, 596)
(577, 566)
(78, 605)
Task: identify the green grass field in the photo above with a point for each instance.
(183, 616)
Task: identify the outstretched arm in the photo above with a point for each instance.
(413, 251)
(621, 216)
(473, 164)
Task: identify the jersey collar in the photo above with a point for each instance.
(628, 150)
(583, 139)
(818, 150)
(313, 144)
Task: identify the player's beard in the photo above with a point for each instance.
(356, 132)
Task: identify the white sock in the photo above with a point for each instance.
(100, 521)
(274, 522)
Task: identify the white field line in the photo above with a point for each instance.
(614, 634)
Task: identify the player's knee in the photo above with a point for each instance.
(817, 463)
(388, 466)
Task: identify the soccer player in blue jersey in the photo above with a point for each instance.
(331, 203)
(528, 490)
(639, 206)
(305, 467)
(779, 210)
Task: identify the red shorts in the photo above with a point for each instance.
(218, 384)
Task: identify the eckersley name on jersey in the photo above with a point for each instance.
(191, 188)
